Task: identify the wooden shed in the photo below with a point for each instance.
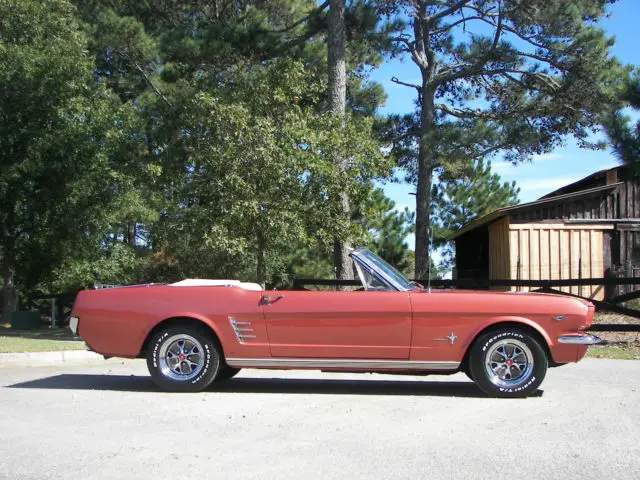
(589, 229)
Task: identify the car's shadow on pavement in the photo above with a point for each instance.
(307, 386)
(121, 383)
(349, 387)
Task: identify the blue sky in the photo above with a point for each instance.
(546, 172)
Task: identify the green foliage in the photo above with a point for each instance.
(236, 156)
(137, 44)
(387, 229)
(117, 265)
(255, 174)
(381, 227)
(68, 149)
(157, 140)
(624, 136)
(461, 198)
(310, 261)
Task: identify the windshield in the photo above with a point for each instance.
(383, 269)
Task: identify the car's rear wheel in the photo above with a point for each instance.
(508, 362)
(183, 359)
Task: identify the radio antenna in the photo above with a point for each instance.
(429, 256)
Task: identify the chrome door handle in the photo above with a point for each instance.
(269, 299)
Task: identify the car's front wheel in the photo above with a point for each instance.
(183, 359)
(508, 362)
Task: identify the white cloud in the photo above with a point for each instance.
(548, 156)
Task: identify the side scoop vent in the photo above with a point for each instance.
(243, 330)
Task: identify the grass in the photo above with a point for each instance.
(42, 340)
(618, 352)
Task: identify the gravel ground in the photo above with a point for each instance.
(109, 421)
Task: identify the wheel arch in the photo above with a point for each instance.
(528, 326)
(181, 320)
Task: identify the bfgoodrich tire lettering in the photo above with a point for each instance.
(508, 362)
(183, 359)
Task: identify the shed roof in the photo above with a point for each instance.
(502, 212)
(584, 182)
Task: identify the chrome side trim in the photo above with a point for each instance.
(104, 286)
(242, 330)
(582, 339)
(340, 363)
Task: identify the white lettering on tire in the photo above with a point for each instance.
(206, 365)
(156, 347)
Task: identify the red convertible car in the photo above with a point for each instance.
(195, 332)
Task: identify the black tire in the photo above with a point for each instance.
(467, 371)
(227, 373)
(490, 367)
(161, 353)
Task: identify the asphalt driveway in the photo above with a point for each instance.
(109, 421)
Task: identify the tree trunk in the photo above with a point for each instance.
(126, 233)
(426, 164)
(337, 101)
(8, 293)
(336, 58)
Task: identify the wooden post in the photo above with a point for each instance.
(53, 313)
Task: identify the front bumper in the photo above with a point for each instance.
(579, 339)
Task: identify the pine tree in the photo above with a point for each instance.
(383, 229)
(624, 137)
(387, 229)
(496, 75)
(460, 199)
(337, 102)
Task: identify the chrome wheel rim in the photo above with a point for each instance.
(509, 363)
(181, 357)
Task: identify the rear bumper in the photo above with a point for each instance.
(580, 339)
(73, 324)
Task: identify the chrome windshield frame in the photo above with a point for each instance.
(359, 255)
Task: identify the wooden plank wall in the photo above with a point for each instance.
(556, 252)
(629, 197)
(603, 206)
